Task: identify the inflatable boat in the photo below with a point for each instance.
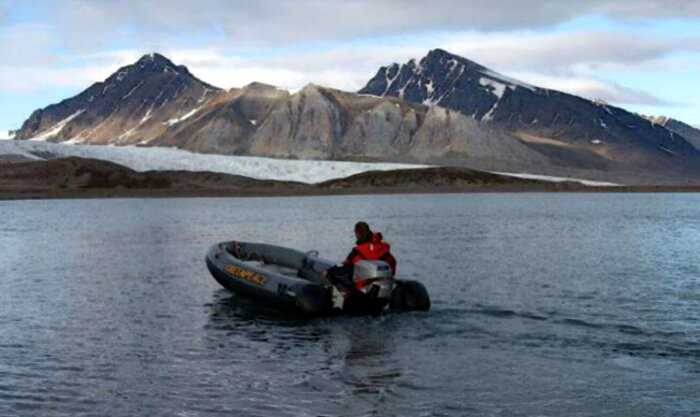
(294, 280)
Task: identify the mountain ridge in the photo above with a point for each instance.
(689, 132)
(543, 118)
(123, 101)
(443, 109)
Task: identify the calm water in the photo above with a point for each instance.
(543, 305)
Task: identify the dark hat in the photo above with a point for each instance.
(363, 231)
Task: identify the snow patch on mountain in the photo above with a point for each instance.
(550, 178)
(186, 116)
(147, 116)
(512, 82)
(132, 90)
(497, 89)
(489, 116)
(58, 127)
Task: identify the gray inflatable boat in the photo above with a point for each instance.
(289, 279)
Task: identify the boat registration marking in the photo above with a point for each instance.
(246, 275)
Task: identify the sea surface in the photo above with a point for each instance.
(543, 305)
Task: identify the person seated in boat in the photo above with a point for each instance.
(369, 246)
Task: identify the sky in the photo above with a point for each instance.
(643, 55)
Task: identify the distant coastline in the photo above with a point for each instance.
(74, 178)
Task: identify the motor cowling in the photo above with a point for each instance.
(374, 278)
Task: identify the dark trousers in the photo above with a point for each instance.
(356, 302)
(341, 276)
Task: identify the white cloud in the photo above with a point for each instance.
(293, 42)
(593, 89)
(36, 78)
(347, 68)
(544, 60)
(629, 9)
(547, 60)
(86, 23)
(591, 50)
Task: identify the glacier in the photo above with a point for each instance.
(142, 159)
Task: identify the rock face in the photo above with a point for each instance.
(226, 124)
(690, 133)
(324, 123)
(565, 128)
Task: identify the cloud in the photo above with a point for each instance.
(343, 67)
(34, 79)
(4, 11)
(26, 43)
(340, 43)
(595, 89)
(546, 60)
(587, 50)
(629, 9)
(85, 24)
(349, 69)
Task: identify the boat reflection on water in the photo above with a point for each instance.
(330, 365)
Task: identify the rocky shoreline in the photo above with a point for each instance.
(89, 178)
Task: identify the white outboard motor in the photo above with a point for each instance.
(374, 278)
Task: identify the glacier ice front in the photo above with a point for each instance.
(171, 159)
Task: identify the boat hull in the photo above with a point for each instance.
(288, 279)
(278, 289)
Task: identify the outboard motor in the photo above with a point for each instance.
(373, 279)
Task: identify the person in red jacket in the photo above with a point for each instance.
(369, 246)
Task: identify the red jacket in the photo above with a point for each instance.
(373, 249)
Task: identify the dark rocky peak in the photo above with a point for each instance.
(439, 58)
(438, 76)
(435, 78)
(133, 92)
(148, 65)
(154, 58)
(456, 83)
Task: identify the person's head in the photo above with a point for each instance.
(362, 231)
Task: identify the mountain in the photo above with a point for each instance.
(325, 123)
(690, 133)
(157, 103)
(444, 110)
(142, 98)
(561, 126)
(227, 123)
